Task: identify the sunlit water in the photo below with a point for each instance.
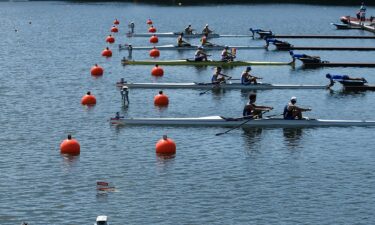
(261, 176)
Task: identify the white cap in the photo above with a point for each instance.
(293, 98)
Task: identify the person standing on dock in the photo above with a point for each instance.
(362, 13)
(254, 111)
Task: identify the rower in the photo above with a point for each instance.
(204, 41)
(181, 42)
(226, 56)
(218, 77)
(200, 54)
(206, 30)
(292, 112)
(251, 110)
(189, 30)
(247, 78)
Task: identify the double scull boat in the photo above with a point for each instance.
(196, 35)
(187, 62)
(219, 121)
(192, 47)
(228, 85)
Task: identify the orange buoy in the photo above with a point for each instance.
(152, 29)
(165, 146)
(107, 52)
(116, 22)
(110, 39)
(161, 99)
(88, 99)
(154, 39)
(70, 146)
(157, 71)
(114, 29)
(149, 22)
(154, 53)
(97, 70)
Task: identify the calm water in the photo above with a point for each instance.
(269, 176)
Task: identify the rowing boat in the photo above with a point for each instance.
(192, 47)
(345, 26)
(176, 34)
(187, 62)
(234, 122)
(259, 86)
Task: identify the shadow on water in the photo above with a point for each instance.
(292, 136)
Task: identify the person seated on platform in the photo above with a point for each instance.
(291, 111)
(218, 77)
(181, 42)
(251, 110)
(200, 54)
(247, 78)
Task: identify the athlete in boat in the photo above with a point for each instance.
(189, 30)
(305, 58)
(251, 110)
(247, 78)
(200, 54)
(181, 42)
(226, 56)
(218, 77)
(204, 41)
(291, 111)
(206, 30)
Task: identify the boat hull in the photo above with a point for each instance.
(202, 63)
(217, 121)
(193, 47)
(176, 34)
(259, 86)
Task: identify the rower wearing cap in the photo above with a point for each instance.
(226, 56)
(204, 41)
(181, 42)
(218, 77)
(291, 111)
(189, 30)
(200, 54)
(206, 30)
(251, 110)
(247, 78)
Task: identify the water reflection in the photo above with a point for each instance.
(292, 136)
(252, 140)
(69, 161)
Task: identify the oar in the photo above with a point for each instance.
(236, 127)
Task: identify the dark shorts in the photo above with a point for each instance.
(198, 59)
